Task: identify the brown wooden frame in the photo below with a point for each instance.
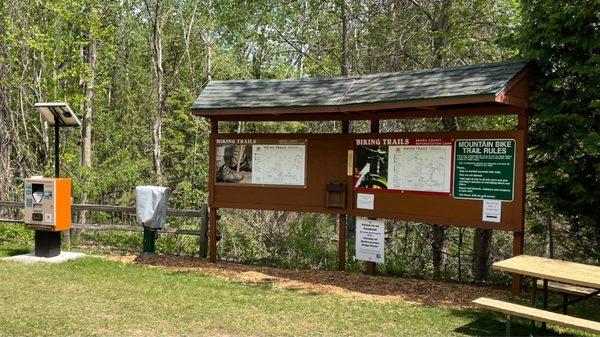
(513, 100)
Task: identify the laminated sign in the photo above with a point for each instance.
(484, 169)
(370, 240)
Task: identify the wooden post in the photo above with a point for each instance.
(342, 242)
(212, 174)
(371, 265)
(370, 268)
(342, 218)
(203, 241)
(212, 230)
(212, 212)
(519, 237)
(345, 126)
(518, 240)
(375, 126)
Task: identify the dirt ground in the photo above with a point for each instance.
(351, 285)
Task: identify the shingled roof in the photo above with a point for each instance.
(483, 80)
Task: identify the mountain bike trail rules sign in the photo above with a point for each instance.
(370, 240)
(484, 169)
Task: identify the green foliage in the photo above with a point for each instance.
(15, 234)
(300, 242)
(564, 40)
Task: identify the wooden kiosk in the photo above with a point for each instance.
(448, 178)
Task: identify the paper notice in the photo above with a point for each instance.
(370, 240)
(492, 210)
(365, 201)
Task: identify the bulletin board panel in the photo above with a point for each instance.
(333, 158)
(446, 208)
(325, 161)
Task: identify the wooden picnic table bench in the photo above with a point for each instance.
(573, 278)
(566, 289)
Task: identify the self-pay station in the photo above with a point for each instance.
(48, 204)
(48, 212)
(48, 200)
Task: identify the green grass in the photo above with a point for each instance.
(93, 296)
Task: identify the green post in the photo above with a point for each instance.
(149, 242)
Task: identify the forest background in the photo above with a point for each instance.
(132, 69)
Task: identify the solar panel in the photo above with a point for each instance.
(63, 111)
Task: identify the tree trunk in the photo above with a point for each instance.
(345, 47)
(438, 249)
(549, 246)
(86, 143)
(5, 136)
(86, 132)
(157, 62)
(481, 254)
(440, 27)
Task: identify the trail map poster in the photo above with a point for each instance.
(261, 162)
(278, 164)
(406, 164)
(484, 169)
(425, 167)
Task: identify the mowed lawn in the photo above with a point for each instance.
(94, 296)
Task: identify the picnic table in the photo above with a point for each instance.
(547, 270)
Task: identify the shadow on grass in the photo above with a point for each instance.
(492, 324)
(270, 284)
(12, 251)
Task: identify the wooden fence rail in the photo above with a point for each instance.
(201, 214)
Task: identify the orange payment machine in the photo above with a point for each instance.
(48, 200)
(48, 212)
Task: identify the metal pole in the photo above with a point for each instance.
(56, 143)
(533, 304)
(545, 301)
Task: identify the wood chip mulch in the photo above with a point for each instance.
(351, 285)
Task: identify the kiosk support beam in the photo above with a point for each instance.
(342, 242)
(371, 265)
(519, 237)
(342, 218)
(345, 126)
(212, 212)
(212, 232)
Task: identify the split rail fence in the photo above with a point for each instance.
(201, 215)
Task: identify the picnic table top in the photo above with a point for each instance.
(554, 270)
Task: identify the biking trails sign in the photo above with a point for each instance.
(404, 164)
(461, 168)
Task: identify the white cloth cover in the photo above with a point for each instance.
(151, 205)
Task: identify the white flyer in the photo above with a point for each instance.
(370, 240)
(365, 201)
(492, 210)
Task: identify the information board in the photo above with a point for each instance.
(294, 173)
(484, 169)
(370, 240)
(404, 164)
(260, 162)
